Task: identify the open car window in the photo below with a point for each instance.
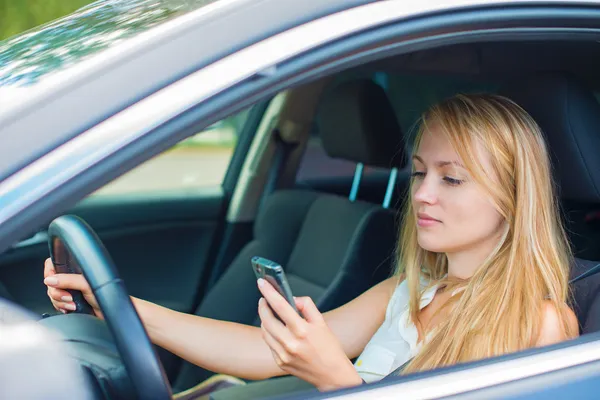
(199, 161)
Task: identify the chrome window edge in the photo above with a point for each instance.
(480, 377)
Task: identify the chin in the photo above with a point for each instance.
(431, 244)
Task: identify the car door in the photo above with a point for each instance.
(160, 222)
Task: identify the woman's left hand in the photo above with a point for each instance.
(306, 348)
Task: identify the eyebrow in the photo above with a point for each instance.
(439, 164)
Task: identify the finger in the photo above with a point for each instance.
(280, 305)
(279, 353)
(57, 308)
(61, 305)
(61, 300)
(67, 281)
(48, 268)
(272, 325)
(309, 310)
(59, 295)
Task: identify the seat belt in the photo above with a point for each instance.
(592, 271)
(395, 373)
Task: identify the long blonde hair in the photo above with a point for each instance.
(500, 309)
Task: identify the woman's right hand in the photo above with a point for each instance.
(57, 285)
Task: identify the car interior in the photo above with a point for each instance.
(331, 161)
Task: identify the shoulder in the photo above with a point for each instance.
(399, 296)
(552, 330)
(381, 293)
(391, 286)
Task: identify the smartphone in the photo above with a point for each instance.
(274, 274)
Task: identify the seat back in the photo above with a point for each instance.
(569, 115)
(331, 248)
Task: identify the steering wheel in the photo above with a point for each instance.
(76, 248)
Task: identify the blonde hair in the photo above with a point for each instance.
(500, 309)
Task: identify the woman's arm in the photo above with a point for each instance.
(227, 347)
(219, 346)
(239, 350)
(356, 322)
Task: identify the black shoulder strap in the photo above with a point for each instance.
(397, 371)
(592, 271)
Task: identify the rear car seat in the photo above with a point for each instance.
(332, 249)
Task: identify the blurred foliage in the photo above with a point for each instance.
(94, 27)
(17, 16)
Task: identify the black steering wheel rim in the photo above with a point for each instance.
(80, 244)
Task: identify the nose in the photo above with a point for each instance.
(426, 191)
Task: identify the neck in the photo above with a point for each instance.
(463, 264)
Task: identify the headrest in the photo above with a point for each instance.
(358, 123)
(569, 115)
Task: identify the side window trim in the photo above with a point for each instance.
(245, 137)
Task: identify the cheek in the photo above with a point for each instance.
(473, 217)
(469, 218)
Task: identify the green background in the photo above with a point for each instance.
(20, 15)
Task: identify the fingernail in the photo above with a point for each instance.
(71, 306)
(63, 311)
(51, 281)
(261, 282)
(261, 301)
(67, 299)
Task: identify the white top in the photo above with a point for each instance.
(395, 342)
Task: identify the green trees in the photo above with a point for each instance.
(17, 16)
(26, 57)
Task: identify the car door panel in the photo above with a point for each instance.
(160, 246)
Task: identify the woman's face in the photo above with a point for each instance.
(453, 212)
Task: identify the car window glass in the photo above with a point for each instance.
(199, 161)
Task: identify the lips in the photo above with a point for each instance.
(426, 217)
(426, 220)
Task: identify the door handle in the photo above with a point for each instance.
(37, 239)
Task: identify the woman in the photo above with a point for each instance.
(483, 269)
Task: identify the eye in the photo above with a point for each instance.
(418, 174)
(453, 181)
